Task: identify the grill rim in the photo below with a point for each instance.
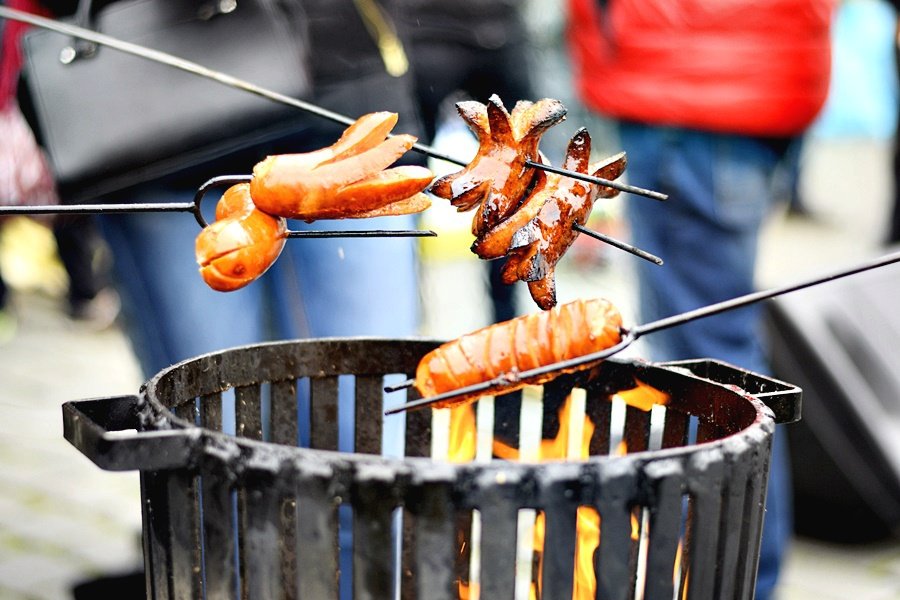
(154, 415)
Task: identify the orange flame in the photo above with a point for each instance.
(462, 448)
(643, 396)
(469, 591)
(463, 441)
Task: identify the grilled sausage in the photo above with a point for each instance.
(497, 179)
(241, 244)
(538, 246)
(345, 180)
(521, 344)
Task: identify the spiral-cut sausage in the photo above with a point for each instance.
(567, 331)
(241, 244)
(537, 247)
(496, 180)
(348, 179)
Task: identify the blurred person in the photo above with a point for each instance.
(894, 231)
(85, 256)
(474, 47)
(24, 174)
(27, 180)
(710, 99)
(326, 287)
(317, 287)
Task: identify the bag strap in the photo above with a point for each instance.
(85, 17)
(382, 31)
(79, 48)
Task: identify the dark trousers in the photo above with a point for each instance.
(894, 231)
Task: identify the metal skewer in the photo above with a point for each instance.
(229, 180)
(630, 335)
(194, 209)
(225, 79)
(618, 244)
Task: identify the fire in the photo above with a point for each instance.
(643, 396)
(571, 442)
(463, 434)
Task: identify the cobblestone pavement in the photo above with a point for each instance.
(62, 519)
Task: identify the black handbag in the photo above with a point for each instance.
(110, 120)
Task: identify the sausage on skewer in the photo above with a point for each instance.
(497, 179)
(536, 248)
(241, 244)
(521, 344)
(348, 179)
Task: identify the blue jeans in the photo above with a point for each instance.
(720, 189)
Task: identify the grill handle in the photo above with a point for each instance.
(784, 399)
(106, 430)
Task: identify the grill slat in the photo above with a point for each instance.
(614, 567)
(418, 429)
(435, 538)
(372, 537)
(368, 409)
(211, 411)
(289, 547)
(498, 550)
(599, 411)
(703, 525)
(756, 498)
(317, 544)
(637, 429)
(156, 533)
(261, 552)
(323, 398)
(284, 412)
(559, 563)
(731, 546)
(219, 536)
(667, 483)
(675, 430)
(248, 412)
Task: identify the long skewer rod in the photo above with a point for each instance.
(225, 79)
(630, 335)
(85, 209)
(618, 244)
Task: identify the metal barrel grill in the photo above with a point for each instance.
(251, 514)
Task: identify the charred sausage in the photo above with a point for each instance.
(537, 247)
(496, 180)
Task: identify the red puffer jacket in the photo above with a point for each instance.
(736, 66)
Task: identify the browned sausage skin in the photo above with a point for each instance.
(538, 246)
(496, 180)
(349, 179)
(567, 331)
(241, 244)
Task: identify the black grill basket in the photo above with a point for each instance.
(263, 476)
